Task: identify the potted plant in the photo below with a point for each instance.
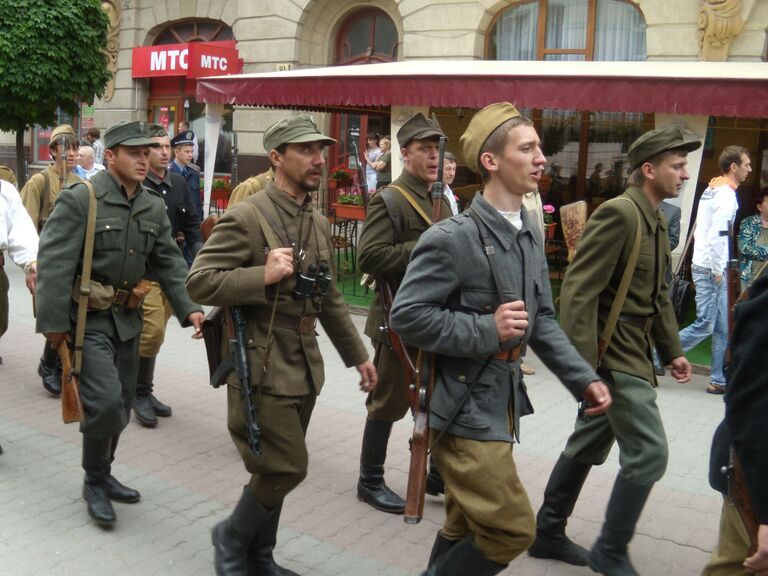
(549, 221)
(339, 177)
(350, 206)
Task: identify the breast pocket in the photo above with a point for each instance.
(148, 231)
(480, 301)
(109, 234)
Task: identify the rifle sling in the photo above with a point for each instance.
(85, 279)
(621, 292)
(413, 203)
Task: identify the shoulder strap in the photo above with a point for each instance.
(412, 202)
(43, 201)
(687, 245)
(85, 278)
(490, 254)
(267, 228)
(394, 215)
(621, 293)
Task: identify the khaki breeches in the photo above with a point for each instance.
(732, 544)
(157, 311)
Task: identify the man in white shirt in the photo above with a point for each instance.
(86, 162)
(19, 237)
(717, 208)
(449, 173)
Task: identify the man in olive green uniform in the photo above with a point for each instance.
(271, 255)
(475, 294)
(384, 250)
(250, 187)
(658, 162)
(132, 231)
(39, 196)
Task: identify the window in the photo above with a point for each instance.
(367, 36)
(586, 149)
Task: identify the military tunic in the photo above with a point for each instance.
(130, 234)
(229, 270)
(589, 289)
(446, 305)
(384, 250)
(32, 193)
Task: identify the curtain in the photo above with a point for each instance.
(619, 32)
(566, 24)
(516, 32)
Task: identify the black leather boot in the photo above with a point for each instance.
(142, 401)
(147, 370)
(49, 370)
(261, 561)
(464, 559)
(440, 547)
(370, 486)
(232, 536)
(560, 497)
(609, 555)
(435, 484)
(96, 454)
(117, 491)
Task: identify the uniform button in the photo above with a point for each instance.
(125, 283)
(130, 252)
(250, 340)
(462, 378)
(107, 226)
(486, 308)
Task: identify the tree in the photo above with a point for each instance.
(52, 54)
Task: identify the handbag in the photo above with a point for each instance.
(680, 289)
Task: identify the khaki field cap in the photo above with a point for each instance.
(418, 128)
(7, 175)
(157, 131)
(294, 130)
(672, 137)
(134, 133)
(63, 130)
(480, 127)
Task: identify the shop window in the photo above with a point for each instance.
(586, 150)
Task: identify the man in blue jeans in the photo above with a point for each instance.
(717, 208)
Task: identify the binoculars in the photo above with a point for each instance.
(314, 282)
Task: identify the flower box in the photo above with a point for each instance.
(350, 211)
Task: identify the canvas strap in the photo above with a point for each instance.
(85, 279)
(412, 202)
(621, 293)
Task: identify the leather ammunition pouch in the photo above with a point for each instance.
(137, 294)
(214, 330)
(103, 296)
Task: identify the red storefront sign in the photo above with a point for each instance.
(193, 60)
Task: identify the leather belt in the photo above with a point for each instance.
(645, 323)
(299, 324)
(121, 296)
(510, 355)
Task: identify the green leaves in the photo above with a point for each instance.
(51, 54)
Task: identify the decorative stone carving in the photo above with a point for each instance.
(112, 9)
(719, 23)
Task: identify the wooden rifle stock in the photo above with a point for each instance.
(738, 491)
(437, 187)
(417, 471)
(71, 407)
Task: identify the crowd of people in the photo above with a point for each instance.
(120, 251)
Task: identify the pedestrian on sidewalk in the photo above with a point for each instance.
(132, 231)
(384, 251)
(282, 292)
(658, 162)
(185, 231)
(39, 196)
(19, 238)
(475, 294)
(717, 210)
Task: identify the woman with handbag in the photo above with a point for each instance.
(753, 240)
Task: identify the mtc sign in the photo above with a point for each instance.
(193, 60)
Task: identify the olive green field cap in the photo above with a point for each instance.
(7, 175)
(294, 130)
(157, 131)
(480, 127)
(418, 128)
(62, 130)
(135, 133)
(650, 144)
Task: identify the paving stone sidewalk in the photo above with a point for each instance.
(190, 476)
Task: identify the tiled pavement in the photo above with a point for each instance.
(190, 477)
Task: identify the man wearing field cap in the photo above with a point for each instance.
(384, 250)
(39, 195)
(658, 163)
(132, 232)
(475, 294)
(271, 256)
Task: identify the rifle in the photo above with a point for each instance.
(437, 187)
(738, 490)
(220, 368)
(362, 181)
